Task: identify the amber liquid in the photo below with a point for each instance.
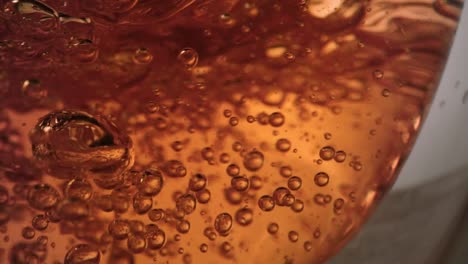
(189, 131)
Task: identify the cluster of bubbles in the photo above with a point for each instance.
(89, 153)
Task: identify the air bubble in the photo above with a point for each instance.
(357, 166)
(317, 233)
(285, 171)
(121, 199)
(273, 228)
(40, 222)
(183, 226)
(237, 146)
(151, 182)
(307, 246)
(136, 243)
(227, 113)
(255, 182)
(282, 197)
(283, 145)
(82, 253)
(203, 196)
(223, 224)
(188, 57)
(266, 203)
(177, 146)
(142, 56)
(156, 215)
(294, 183)
(240, 183)
(119, 229)
(251, 119)
(233, 170)
(142, 203)
(293, 236)
(187, 258)
(175, 168)
(244, 216)
(338, 205)
(156, 238)
(203, 248)
(321, 179)
(33, 89)
(42, 196)
(253, 160)
(340, 156)
(233, 121)
(207, 153)
(297, 206)
(43, 240)
(288, 200)
(327, 153)
(226, 247)
(72, 144)
(385, 93)
(79, 189)
(197, 182)
(28, 232)
(276, 119)
(210, 233)
(378, 74)
(224, 158)
(227, 20)
(186, 203)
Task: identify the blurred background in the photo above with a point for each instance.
(424, 218)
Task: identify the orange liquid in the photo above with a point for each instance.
(189, 131)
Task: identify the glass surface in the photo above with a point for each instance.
(203, 131)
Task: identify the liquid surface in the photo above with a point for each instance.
(190, 131)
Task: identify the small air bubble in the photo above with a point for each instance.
(223, 223)
(293, 236)
(188, 57)
(244, 216)
(177, 146)
(233, 170)
(32, 88)
(273, 228)
(240, 183)
(253, 160)
(233, 121)
(321, 179)
(327, 153)
(378, 74)
(142, 56)
(340, 156)
(266, 203)
(276, 119)
(307, 246)
(283, 145)
(285, 171)
(28, 232)
(82, 253)
(294, 183)
(385, 93)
